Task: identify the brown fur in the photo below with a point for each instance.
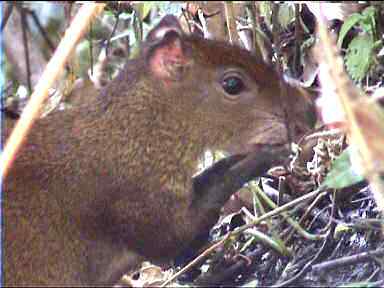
(98, 187)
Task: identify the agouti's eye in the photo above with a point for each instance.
(233, 85)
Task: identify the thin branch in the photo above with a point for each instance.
(298, 40)
(112, 33)
(348, 260)
(196, 260)
(7, 12)
(307, 266)
(41, 29)
(231, 22)
(91, 46)
(260, 40)
(277, 211)
(24, 27)
(218, 278)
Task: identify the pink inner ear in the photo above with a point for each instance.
(168, 23)
(166, 60)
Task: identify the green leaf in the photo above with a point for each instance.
(351, 21)
(368, 23)
(359, 57)
(342, 173)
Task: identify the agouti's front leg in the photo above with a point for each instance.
(107, 262)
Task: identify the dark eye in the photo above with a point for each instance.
(233, 85)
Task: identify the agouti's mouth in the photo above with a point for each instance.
(244, 167)
(261, 158)
(214, 186)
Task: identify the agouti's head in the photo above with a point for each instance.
(232, 96)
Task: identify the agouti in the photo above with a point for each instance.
(101, 186)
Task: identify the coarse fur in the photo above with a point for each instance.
(101, 186)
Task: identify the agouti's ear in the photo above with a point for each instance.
(168, 23)
(166, 53)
